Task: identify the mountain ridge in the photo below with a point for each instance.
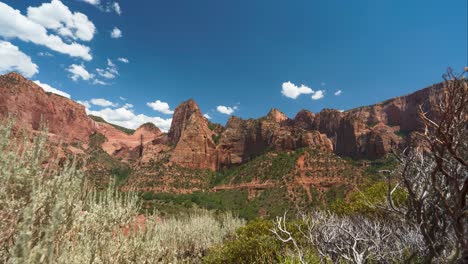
(368, 132)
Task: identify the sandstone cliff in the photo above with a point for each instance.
(29, 105)
(189, 130)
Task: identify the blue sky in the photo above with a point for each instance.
(236, 54)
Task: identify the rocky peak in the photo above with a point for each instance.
(14, 76)
(182, 115)
(150, 127)
(304, 119)
(276, 115)
(195, 147)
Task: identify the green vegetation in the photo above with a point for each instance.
(55, 216)
(368, 202)
(402, 134)
(101, 120)
(272, 201)
(216, 139)
(273, 166)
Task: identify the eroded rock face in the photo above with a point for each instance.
(30, 105)
(181, 118)
(243, 140)
(195, 147)
(125, 146)
(304, 119)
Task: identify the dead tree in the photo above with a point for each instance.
(434, 175)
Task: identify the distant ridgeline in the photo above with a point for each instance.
(254, 167)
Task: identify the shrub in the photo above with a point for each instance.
(55, 216)
(253, 243)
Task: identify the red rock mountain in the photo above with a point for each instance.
(366, 132)
(189, 130)
(29, 105)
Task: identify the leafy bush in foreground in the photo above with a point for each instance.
(50, 216)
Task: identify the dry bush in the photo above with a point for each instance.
(353, 239)
(49, 216)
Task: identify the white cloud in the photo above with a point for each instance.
(110, 72)
(159, 106)
(56, 16)
(92, 2)
(105, 74)
(127, 106)
(116, 33)
(45, 54)
(102, 102)
(116, 8)
(338, 92)
(207, 116)
(84, 103)
(79, 71)
(15, 25)
(226, 109)
(290, 90)
(12, 59)
(318, 94)
(124, 116)
(99, 82)
(123, 98)
(51, 89)
(124, 60)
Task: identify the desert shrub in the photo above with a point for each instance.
(253, 243)
(368, 201)
(54, 216)
(256, 243)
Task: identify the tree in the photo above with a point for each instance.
(434, 174)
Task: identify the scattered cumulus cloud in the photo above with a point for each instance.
(338, 92)
(92, 2)
(122, 98)
(124, 60)
(110, 72)
(79, 71)
(293, 91)
(159, 106)
(105, 74)
(227, 110)
(108, 7)
(126, 117)
(99, 82)
(86, 104)
(116, 33)
(290, 90)
(13, 59)
(35, 30)
(116, 8)
(51, 89)
(127, 105)
(57, 17)
(318, 95)
(207, 116)
(102, 102)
